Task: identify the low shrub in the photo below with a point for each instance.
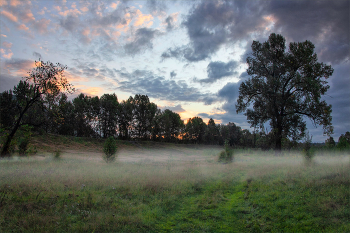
(23, 145)
(32, 150)
(109, 149)
(308, 151)
(57, 154)
(226, 156)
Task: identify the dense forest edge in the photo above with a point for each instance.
(30, 109)
(134, 119)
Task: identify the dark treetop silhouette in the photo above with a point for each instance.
(284, 87)
(46, 80)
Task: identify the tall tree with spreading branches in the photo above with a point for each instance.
(46, 79)
(284, 87)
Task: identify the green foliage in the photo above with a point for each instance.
(195, 129)
(32, 150)
(308, 151)
(344, 142)
(330, 143)
(125, 111)
(144, 114)
(13, 143)
(109, 149)
(284, 87)
(168, 125)
(25, 133)
(45, 81)
(86, 110)
(108, 115)
(23, 146)
(226, 156)
(57, 154)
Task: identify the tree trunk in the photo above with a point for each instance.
(278, 140)
(5, 149)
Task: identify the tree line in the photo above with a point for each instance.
(133, 119)
(101, 117)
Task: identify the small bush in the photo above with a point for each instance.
(32, 150)
(308, 151)
(57, 154)
(226, 155)
(343, 145)
(109, 149)
(23, 145)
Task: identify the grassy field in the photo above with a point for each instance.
(171, 188)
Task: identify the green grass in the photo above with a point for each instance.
(255, 193)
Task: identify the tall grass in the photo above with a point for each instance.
(255, 193)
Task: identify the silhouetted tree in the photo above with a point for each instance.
(195, 129)
(8, 111)
(212, 133)
(330, 143)
(66, 119)
(284, 87)
(170, 125)
(46, 79)
(86, 113)
(125, 119)
(344, 141)
(108, 118)
(144, 112)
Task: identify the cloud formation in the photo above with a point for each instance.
(207, 39)
(146, 82)
(142, 41)
(218, 70)
(211, 24)
(173, 74)
(325, 23)
(178, 108)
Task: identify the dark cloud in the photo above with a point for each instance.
(173, 74)
(156, 7)
(14, 64)
(7, 82)
(143, 40)
(217, 70)
(90, 72)
(178, 108)
(229, 92)
(146, 82)
(238, 119)
(204, 115)
(112, 18)
(339, 97)
(37, 55)
(11, 72)
(212, 24)
(71, 23)
(170, 22)
(326, 23)
(243, 76)
(177, 52)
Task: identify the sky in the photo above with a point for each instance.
(186, 56)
